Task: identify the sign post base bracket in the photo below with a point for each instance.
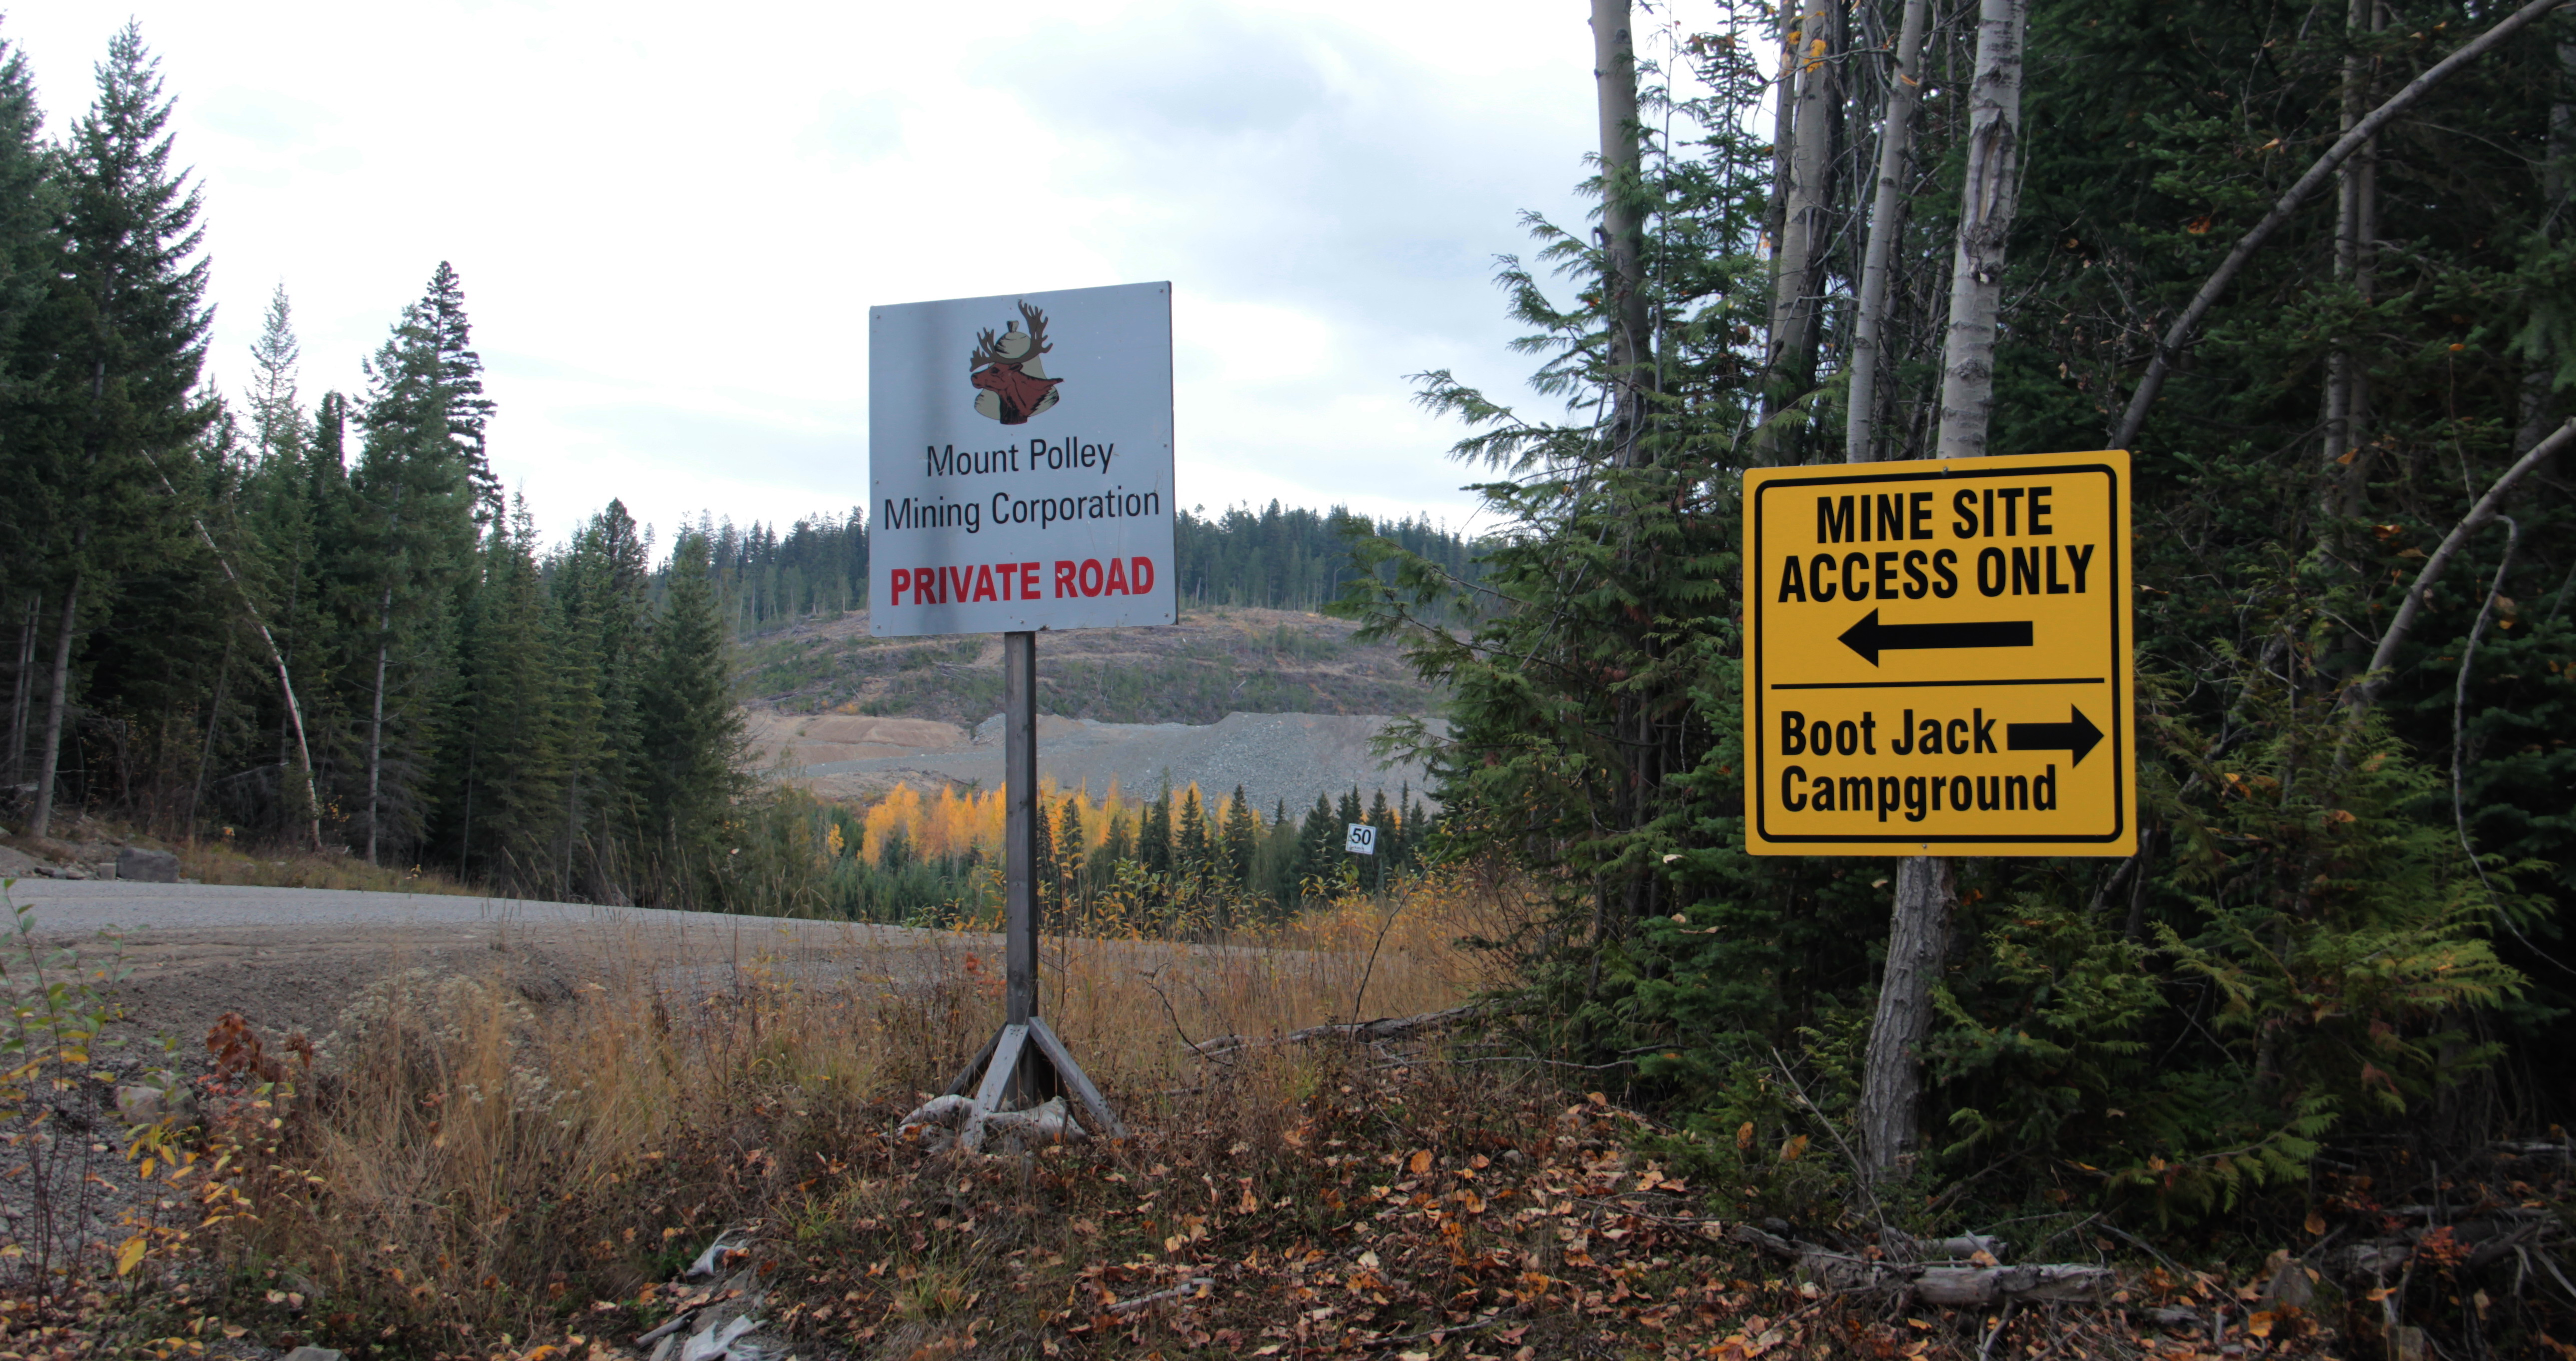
(1025, 1063)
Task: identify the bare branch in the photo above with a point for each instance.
(2179, 334)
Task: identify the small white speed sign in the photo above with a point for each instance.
(1363, 840)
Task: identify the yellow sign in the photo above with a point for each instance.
(1937, 658)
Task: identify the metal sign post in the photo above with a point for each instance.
(1361, 839)
(1028, 488)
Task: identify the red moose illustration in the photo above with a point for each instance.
(1006, 367)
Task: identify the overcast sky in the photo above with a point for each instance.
(671, 222)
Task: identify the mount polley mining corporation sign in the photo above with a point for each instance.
(1937, 658)
(1020, 462)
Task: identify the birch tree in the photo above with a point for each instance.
(1623, 226)
(1886, 225)
(1989, 193)
(1926, 895)
(1810, 96)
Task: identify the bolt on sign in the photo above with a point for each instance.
(1938, 658)
(1020, 462)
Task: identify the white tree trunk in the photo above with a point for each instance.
(1918, 935)
(1808, 88)
(1886, 223)
(1988, 196)
(1614, 74)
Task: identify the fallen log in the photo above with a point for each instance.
(1940, 1285)
(1384, 1028)
(1978, 1286)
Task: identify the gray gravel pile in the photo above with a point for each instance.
(1272, 756)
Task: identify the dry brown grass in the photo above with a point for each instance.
(221, 862)
(467, 1171)
(462, 1158)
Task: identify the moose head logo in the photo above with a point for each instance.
(1011, 382)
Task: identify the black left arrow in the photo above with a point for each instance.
(1870, 637)
(2078, 736)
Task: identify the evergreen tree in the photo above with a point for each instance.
(1070, 864)
(276, 416)
(411, 540)
(501, 794)
(602, 589)
(1042, 861)
(1191, 851)
(130, 323)
(1118, 846)
(30, 261)
(690, 736)
(1154, 835)
(457, 371)
(1242, 839)
(1319, 844)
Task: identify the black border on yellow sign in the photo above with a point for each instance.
(1757, 693)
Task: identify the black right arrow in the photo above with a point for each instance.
(2079, 736)
(1870, 637)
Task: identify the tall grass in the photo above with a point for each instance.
(467, 1162)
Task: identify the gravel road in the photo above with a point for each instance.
(65, 905)
(291, 959)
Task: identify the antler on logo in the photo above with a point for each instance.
(1011, 347)
(1012, 383)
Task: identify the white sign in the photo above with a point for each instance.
(1020, 462)
(1363, 839)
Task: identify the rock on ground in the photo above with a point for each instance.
(149, 867)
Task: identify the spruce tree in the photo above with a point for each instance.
(1070, 861)
(1117, 847)
(411, 541)
(1242, 839)
(1319, 843)
(30, 260)
(690, 734)
(601, 593)
(1154, 835)
(1191, 851)
(130, 324)
(500, 803)
(464, 410)
(276, 417)
(1042, 861)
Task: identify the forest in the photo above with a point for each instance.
(1271, 558)
(319, 622)
(1175, 863)
(315, 624)
(2311, 264)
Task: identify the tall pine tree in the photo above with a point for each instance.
(130, 323)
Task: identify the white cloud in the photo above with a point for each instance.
(670, 222)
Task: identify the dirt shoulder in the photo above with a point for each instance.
(293, 959)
